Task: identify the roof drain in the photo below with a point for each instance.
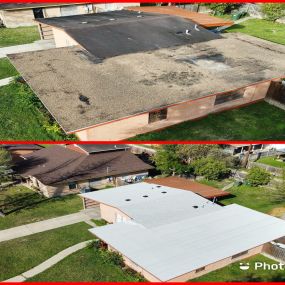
(195, 207)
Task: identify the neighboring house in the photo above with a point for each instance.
(62, 170)
(17, 151)
(149, 71)
(169, 234)
(23, 14)
(238, 149)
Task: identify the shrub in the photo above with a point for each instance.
(210, 168)
(223, 8)
(257, 176)
(273, 11)
(112, 257)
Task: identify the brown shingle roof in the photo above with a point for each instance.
(204, 20)
(58, 165)
(189, 185)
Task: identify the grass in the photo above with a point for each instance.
(23, 117)
(18, 36)
(259, 121)
(256, 198)
(232, 273)
(45, 209)
(270, 31)
(100, 223)
(6, 68)
(85, 265)
(272, 162)
(22, 254)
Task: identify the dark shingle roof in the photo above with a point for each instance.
(21, 146)
(58, 165)
(96, 148)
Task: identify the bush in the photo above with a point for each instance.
(223, 8)
(273, 11)
(257, 176)
(100, 222)
(112, 257)
(210, 168)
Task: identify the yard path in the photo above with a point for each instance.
(49, 262)
(37, 45)
(33, 228)
(6, 81)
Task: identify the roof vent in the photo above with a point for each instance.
(112, 19)
(195, 207)
(163, 192)
(84, 22)
(158, 186)
(127, 200)
(145, 196)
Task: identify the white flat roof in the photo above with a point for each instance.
(151, 205)
(174, 249)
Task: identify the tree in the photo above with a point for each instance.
(223, 8)
(167, 160)
(273, 11)
(191, 152)
(5, 162)
(258, 176)
(210, 168)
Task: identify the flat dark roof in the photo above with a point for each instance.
(135, 83)
(116, 33)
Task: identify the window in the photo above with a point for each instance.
(72, 185)
(38, 13)
(239, 254)
(200, 269)
(157, 116)
(227, 97)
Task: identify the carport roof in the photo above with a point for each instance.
(190, 185)
(202, 19)
(174, 249)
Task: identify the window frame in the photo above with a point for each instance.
(157, 116)
(72, 183)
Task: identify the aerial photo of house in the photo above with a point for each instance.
(142, 213)
(139, 71)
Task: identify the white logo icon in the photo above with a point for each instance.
(244, 266)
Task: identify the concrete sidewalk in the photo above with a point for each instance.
(38, 45)
(49, 224)
(48, 263)
(6, 81)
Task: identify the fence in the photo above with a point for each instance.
(275, 250)
(271, 169)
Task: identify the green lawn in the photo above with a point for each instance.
(45, 209)
(272, 162)
(23, 117)
(6, 68)
(232, 273)
(271, 31)
(256, 198)
(22, 254)
(18, 36)
(85, 265)
(259, 121)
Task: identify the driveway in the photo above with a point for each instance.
(37, 45)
